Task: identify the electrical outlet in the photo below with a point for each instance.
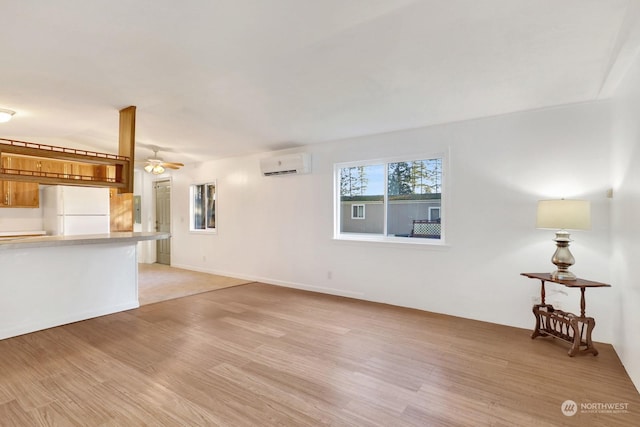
(329, 275)
(535, 300)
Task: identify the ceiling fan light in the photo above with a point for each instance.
(5, 115)
(155, 165)
(154, 168)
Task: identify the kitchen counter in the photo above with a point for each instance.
(88, 239)
(47, 281)
(22, 233)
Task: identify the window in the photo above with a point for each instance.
(203, 207)
(402, 200)
(357, 212)
(434, 214)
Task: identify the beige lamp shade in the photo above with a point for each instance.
(564, 214)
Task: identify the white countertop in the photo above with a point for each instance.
(90, 239)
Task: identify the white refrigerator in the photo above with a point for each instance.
(69, 210)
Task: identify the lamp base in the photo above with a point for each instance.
(562, 258)
(563, 275)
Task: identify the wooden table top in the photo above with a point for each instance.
(578, 283)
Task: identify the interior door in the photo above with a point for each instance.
(162, 191)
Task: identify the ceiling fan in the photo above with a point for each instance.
(155, 165)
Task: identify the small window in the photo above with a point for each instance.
(203, 207)
(434, 214)
(357, 212)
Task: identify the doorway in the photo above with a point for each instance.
(162, 191)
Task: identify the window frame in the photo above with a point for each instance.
(206, 230)
(383, 238)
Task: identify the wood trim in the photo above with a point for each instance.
(41, 178)
(32, 149)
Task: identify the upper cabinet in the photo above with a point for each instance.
(25, 194)
(47, 164)
(16, 194)
(51, 167)
(25, 165)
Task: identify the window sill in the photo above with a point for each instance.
(204, 232)
(399, 242)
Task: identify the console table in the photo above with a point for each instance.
(566, 326)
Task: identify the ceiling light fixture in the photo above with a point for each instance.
(156, 165)
(155, 169)
(5, 115)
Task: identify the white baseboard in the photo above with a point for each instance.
(271, 281)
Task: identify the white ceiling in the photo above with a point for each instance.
(217, 78)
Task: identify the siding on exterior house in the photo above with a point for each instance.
(371, 223)
(400, 216)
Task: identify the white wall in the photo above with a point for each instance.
(279, 229)
(21, 219)
(143, 187)
(625, 222)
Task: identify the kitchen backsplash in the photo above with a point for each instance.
(21, 219)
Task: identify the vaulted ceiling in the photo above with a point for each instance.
(216, 78)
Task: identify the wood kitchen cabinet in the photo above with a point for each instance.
(64, 166)
(17, 194)
(20, 194)
(81, 170)
(104, 172)
(51, 167)
(76, 170)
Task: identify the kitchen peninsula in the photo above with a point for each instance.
(53, 280)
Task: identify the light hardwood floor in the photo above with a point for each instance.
(158, 282)
(260, 355)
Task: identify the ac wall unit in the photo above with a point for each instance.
(286, 164)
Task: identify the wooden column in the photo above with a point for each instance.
(127, 144)
(122, 200)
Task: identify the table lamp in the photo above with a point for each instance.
(563, 215)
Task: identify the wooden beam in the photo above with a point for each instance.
(127, 145)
